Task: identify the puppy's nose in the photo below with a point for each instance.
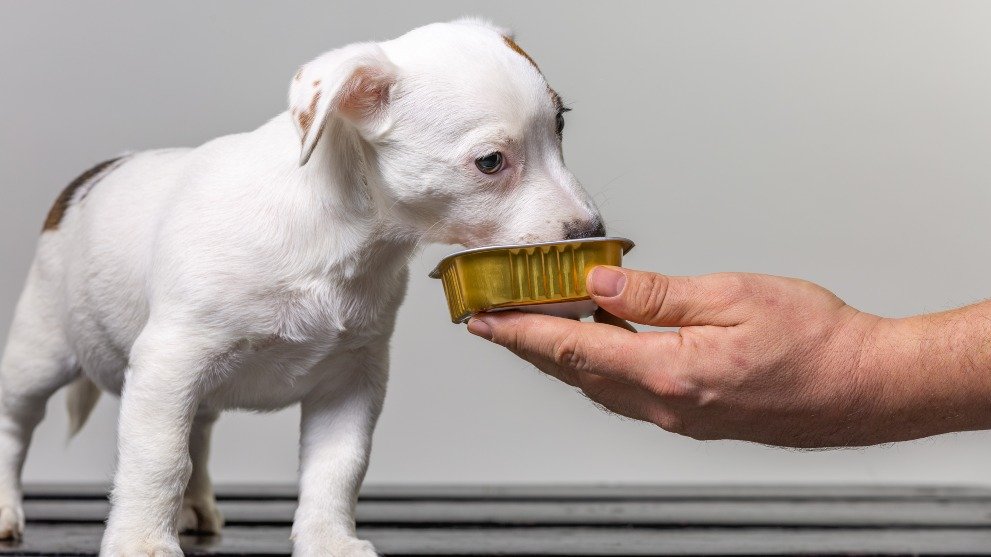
(577, 229)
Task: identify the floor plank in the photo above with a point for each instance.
(569, 520)
(567, 492)
(83, 540)
(859, 514)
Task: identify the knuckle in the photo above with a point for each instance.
(569, 352)
(734, 288)
(523, 331)
(520, 335)
(514, 337)
(650, 294)
(743, 285)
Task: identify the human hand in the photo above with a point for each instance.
(760, 358)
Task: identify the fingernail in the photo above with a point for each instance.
(606, 282)
(480, 328)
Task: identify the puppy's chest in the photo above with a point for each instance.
(331, 319)
(313, 339)
(318, 324)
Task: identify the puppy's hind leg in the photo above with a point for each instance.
(199, 512)
(36, 362)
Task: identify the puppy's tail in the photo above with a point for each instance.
(80, 400)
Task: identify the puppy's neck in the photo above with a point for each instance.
(363, 238)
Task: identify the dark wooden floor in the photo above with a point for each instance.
(581, 521)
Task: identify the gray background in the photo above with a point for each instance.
(844, 142)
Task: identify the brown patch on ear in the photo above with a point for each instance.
(64, 201)
(364, 94)
(516, 48)
(306, 117)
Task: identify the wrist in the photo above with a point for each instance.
(872, 394)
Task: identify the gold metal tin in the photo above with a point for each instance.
(498, 277)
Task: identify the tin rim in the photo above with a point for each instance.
(626, 242)
(530, 303)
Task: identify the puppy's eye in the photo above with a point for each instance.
(559, 121)
(490, 164)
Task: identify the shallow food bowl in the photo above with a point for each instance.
(545, 278)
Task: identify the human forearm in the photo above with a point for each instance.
(936, 370)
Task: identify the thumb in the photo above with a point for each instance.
(656, 299)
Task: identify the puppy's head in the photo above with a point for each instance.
(459, 135)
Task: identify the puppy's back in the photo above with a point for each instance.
(92, 254)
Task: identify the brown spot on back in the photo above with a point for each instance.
(317, 82)
(299, 74)
(516, 48)
(64, 201)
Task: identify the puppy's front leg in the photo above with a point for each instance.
(158, 403)
(335, 440)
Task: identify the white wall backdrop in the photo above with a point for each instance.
(844, 142)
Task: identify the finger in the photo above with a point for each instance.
(570, 344)
(600, 349)
(562, 374)
(630, 401)
(615, 396)
(621, 398)
(668, 301)
(603, 316)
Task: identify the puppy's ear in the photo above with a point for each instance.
(352, 83)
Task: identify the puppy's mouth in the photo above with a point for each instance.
(501, 240)
(576, 229)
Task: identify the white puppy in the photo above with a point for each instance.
(252, 273)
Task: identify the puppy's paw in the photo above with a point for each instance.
(353, 547)
(200, 517)
(337, 547)
(11, 523)
(164, 549)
